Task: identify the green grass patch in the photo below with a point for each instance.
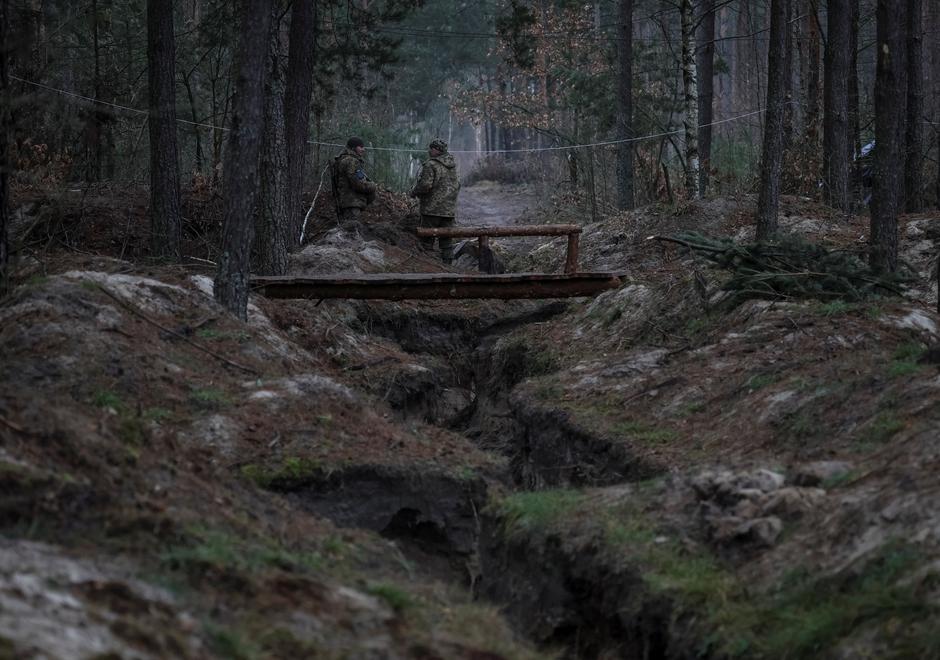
(107, 399)
(35, 281)
(838, 480)
(525, 512)
(209, 398)
(804, 619)
(835, 308)
(644, 433)
(803, 615)
(211, 334)
(229, 644)
(395, 597)
(905, 359)
(292, 471)
(225, 552)
(132, 430)
(759, 381)
(882, 429)
(157, 414)
(692, 408)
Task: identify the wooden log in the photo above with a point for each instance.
(518, 230)
(571, 259)
(404, 286)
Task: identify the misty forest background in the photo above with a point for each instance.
(598, 101)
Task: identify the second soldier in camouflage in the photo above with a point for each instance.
(437, 188)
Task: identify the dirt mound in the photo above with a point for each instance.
(142, 430)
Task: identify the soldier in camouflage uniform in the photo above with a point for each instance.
(352, 189)
(437, 188)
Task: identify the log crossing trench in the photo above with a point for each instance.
(405, 286)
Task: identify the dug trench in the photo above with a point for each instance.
(463, 375)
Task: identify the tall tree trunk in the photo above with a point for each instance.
(690, 96)
(772, 156)
(706, 88)
(301, 62)
(625, 196)
(810, 73)
(855, 126)
(5, 121)
(240, 175)
(274, 228)
(890, 111)
(165, 214)
(915, 136)
(836, 142)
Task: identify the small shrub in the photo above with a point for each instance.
(524, 512)
(107, 399)
(395, 597)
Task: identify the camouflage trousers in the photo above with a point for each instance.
(446, 244)
(349, 219)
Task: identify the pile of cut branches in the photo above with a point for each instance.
(790, 268)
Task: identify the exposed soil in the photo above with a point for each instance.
(662, 471)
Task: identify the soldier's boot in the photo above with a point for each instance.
(427, 244)
(447, 250)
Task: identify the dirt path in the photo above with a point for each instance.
(489, 203)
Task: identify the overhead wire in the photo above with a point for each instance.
(410, 149)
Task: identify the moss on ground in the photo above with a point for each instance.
(802, 615)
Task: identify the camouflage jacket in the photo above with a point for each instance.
(437, 186)
(351, 186)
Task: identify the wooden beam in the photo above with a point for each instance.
(404, 286)
(517, 230)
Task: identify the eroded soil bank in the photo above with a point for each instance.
(659, 472)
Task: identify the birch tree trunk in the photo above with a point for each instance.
(690, 95)
(240, 176)
(836, 143)
(890, 111)
(625, 194)
(165, 213)
(768, 199)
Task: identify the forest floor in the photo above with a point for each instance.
(661, 471)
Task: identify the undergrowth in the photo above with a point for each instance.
(803, 615)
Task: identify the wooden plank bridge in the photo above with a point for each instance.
(404, 286)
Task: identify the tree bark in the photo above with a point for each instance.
(240, 176)
(836, 142)
(301, 62)
(890, 111)
(690, 95)
(625, 195)
(273, 238)
(165, 214)
(5, 121)
(772, 156)
(706, 89)
(915, 135)
(855, 126)
(810, 73)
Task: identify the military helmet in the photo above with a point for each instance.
(440, 145)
